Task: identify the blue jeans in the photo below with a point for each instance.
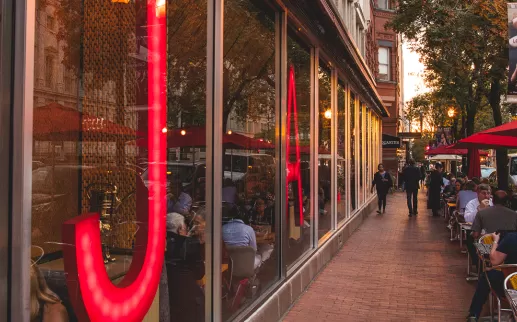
(483, 290)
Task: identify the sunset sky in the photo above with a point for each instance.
(413, 69)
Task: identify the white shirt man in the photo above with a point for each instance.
(478, 203)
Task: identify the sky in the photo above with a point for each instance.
(413, 69)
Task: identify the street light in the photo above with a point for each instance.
(451, 112)
(328, 114)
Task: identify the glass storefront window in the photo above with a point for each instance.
(324, 147)
(341, 157)
(250, 192)
(367, 152)
(353, 196)
(107, 140)
(361, 154)
(299, 232)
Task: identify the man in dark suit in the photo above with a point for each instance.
(412, 179)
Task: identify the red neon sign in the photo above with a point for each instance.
(94, 296)
(293, 168)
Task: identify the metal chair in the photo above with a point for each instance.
(242, 260)
(507, 269)
(512, 281)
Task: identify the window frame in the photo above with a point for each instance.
(387, 64)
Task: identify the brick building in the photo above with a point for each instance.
(388, 72)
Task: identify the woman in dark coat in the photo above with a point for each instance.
(435, 189)
(382, 181)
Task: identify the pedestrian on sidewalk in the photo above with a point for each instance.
(412, 177)
(382, 181)
(435, 189)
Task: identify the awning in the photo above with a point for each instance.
(55, 122)
(509, 129)
(487, 141)
(390, 142)
(451, 150)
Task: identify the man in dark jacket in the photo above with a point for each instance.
(382, 181)
(412, 177)
(435, 189)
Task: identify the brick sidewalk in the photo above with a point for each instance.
(393, 268)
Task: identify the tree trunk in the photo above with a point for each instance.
(494, 98)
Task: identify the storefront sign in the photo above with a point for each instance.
(390, 142)
(93, 295)
(293, 168)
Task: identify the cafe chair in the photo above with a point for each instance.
(510, 288)
(242, 260)
(507, 269)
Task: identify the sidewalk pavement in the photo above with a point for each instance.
(393, 268)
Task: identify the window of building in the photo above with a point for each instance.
(353, 115)
(299, 231)
(325, 166)
(383, 4)
(341, 156)
(67, 81)
(49, 71)
(384, 63)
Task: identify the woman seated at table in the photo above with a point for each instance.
(185, 266)
(45, 304)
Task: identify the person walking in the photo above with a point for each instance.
(423, 175)
(382, 181)
(412, 177)
(435, 189)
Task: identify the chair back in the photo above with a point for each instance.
(243, 260)
(511, 280)
(486, 239)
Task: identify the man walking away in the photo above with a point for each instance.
(423, 174)
(382, 181)
(435, 189)
(412, 177)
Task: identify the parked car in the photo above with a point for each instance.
(486, 172)
(493, 179)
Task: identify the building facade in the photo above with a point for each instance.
(389, 75)
(186, 160)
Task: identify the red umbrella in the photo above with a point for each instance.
(55, 122)
(487, 141)
(509, 129)
(474, 164)
(451, 150)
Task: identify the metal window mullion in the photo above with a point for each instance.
(22, 122)
(315, 142)
(214, 120)
(280, 133)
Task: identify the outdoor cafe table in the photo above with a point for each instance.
(511, 295)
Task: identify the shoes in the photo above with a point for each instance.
(472, 318)
(379, 211)
(415, 213)
(410, 215)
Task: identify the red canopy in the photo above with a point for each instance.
(509, 129)
(474, 164)
(55, 122)
(487, 141)
(451, 150)
(196, 137)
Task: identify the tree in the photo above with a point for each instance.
(463, 46)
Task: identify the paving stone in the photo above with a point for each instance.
(393, 268)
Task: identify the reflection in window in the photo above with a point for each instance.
(384, 63)
(341, 157)
(352, 151)
(249, 190)
(299, 233)
(324, 147)
(361, 154)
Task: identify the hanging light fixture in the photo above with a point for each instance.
(160, 8)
